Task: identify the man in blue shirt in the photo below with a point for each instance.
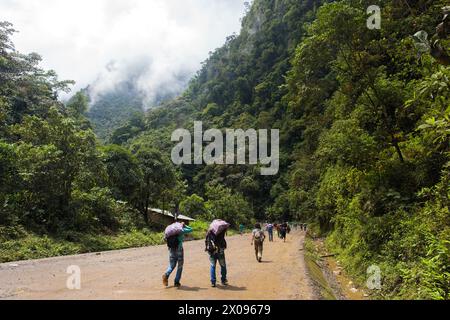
(270, 231)
(176, 256)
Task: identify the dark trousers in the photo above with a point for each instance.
(213, 259)
(258, 250)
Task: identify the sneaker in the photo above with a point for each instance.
(260, 260)
(165, 280)
(177, 285)
(213, 285)
(225, 283)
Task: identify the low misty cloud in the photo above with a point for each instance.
(159, 44)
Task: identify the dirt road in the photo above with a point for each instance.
(136, 274)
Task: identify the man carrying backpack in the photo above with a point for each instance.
(216, 246)
(176, 256)
(258, 238)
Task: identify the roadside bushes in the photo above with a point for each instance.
(224, 204)
(17, 244)
(411, 245)
(95, 210)
(36, 247)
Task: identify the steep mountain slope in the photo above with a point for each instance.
(239, 86)
(364, 118)
(112, 109)
(364, 122)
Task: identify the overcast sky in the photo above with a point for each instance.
(156, 38)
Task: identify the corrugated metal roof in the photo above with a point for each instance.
(170, 214)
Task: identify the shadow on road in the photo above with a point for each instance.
(232, 288)
(191, 289)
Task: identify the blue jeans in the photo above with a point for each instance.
(213, 259)
(176, 257)
(271, 235)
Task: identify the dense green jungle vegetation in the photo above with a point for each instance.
(364, 119)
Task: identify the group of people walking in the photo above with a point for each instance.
(258, 236)
(215, 246)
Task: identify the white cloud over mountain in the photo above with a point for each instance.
(100, 42)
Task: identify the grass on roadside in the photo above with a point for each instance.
(36, 247)
(30, 246)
